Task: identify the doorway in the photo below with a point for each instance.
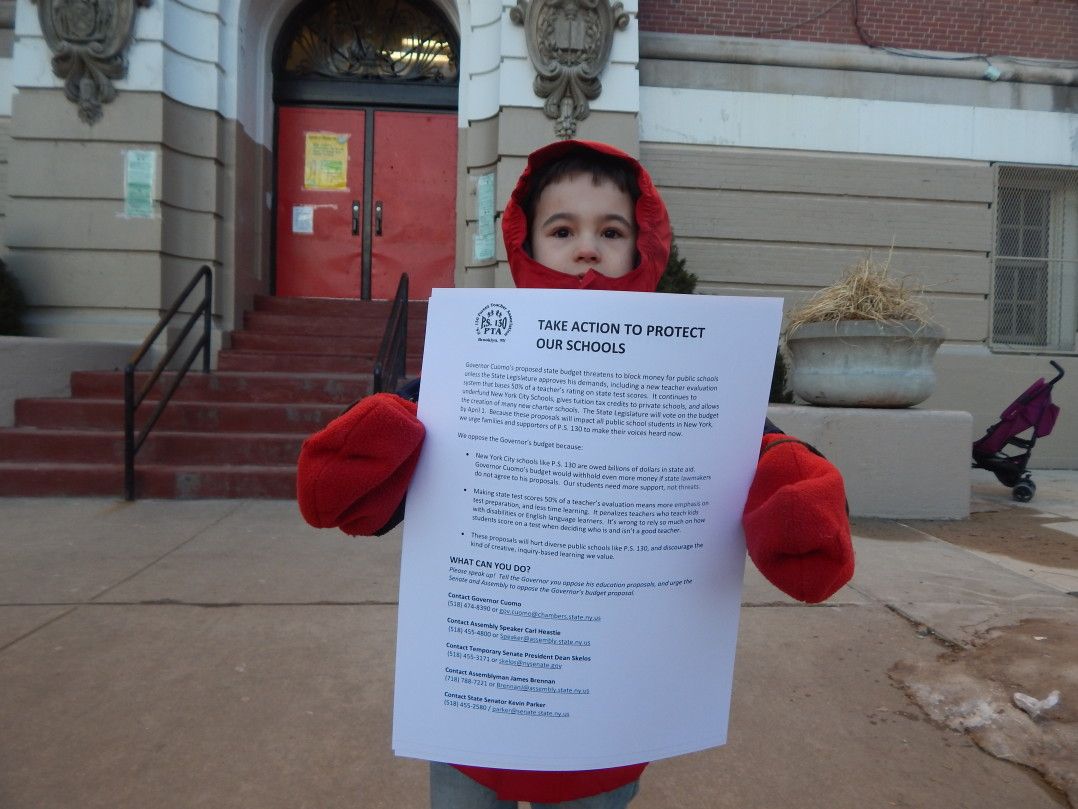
(366, 146)
(351, 219)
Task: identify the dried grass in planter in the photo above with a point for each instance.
(867, 291)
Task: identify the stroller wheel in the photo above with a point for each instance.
(1023, 491)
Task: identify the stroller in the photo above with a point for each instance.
(1033, 410)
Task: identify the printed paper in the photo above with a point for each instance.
(325, 162)
(572, 565)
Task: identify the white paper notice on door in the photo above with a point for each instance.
(303, 219)
(573, 555)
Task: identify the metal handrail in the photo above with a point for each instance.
(389, 365)
(132, 444)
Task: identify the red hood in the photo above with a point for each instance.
(653, 234)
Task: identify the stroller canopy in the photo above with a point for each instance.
(1034, 408)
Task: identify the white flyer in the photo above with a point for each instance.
(140, 168)
(573, 554)
(483, 247)
(303, 219)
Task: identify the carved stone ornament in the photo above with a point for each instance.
(569, 45)
(88, 39)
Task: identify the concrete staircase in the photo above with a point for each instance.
(296, 364)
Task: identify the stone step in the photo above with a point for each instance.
(236, 360)
(327, 345)
(288, 323)
(335, 307)
(163, 447)
(107, 414)
(226, 386)
(38, 479)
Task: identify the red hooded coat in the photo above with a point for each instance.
(653, 239)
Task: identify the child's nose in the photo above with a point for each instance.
(587, 250)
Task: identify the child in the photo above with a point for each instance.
(582, 216)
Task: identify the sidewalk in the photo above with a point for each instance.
(181, 654)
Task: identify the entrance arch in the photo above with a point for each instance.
(365, 94)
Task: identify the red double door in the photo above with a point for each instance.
(332, 227)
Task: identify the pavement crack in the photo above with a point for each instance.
(36, 629)
(171, 551)
(924, 630)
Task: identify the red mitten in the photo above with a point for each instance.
(353, 473)
(796, 524)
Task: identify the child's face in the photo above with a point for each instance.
(580, 226)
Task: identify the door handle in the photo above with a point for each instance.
(355, 217)
(378, 218)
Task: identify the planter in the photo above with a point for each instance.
(863, 363)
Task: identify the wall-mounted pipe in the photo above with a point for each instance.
(784, 53)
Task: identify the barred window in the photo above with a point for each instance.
(1035, 283)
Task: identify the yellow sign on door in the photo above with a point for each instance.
(325, 163)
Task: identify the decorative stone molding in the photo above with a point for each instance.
(88, 39)
(569, 45)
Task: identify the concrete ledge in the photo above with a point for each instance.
(898, 463)
(34, 367)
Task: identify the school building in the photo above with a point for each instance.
(321, 148)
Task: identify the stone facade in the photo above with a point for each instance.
(785, 146)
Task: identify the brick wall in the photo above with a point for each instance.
(1044, 29)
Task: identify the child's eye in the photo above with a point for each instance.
(612, 233)
(561, 233)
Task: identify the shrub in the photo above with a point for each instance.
(675, 277)
(12, 303)
(780, 391)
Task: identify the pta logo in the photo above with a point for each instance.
(493, 323)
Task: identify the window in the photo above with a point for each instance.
(368, 40)
(1035, 261)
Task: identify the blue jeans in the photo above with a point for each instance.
(452, 789)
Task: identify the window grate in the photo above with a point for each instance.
(370, 40)
(1035, 260)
